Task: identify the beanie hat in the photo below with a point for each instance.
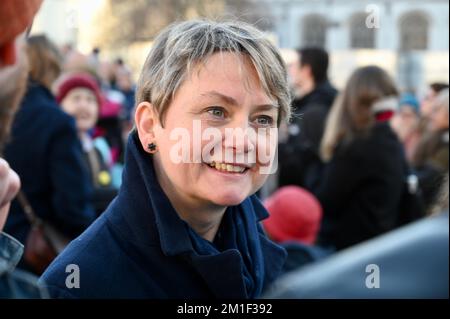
(79, 80)
(410, 100)
(384, 108)
(15, 17)
(295, 215)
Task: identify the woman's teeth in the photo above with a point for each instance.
(227, 167)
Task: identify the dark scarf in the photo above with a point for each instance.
(234, 233)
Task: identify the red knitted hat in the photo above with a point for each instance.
(295, 215)
(78, 81)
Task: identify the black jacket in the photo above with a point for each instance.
(16, 284)
(361, 188)
(299, 160)
(323, 94)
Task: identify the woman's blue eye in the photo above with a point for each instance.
(264, 120)
(217, 112)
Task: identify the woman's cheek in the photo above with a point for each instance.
(266, 148)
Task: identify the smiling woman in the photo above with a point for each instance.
(190, 228)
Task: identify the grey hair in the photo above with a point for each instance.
(183, 45)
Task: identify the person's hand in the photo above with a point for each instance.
(9, 187)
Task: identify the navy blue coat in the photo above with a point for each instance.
(140, 248)
(45, 151)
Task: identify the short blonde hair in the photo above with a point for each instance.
(183, 45)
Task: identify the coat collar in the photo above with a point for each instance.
(144, 214)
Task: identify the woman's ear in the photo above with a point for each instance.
(146, 119)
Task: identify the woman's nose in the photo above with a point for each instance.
(241, 138)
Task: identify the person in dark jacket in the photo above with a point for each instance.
(15, 17)
(185, 223)
(299, 158)
(45, 152)
(363, 183)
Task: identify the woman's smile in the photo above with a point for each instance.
(228, 169)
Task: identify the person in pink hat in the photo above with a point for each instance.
(79, 96)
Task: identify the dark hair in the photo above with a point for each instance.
(317, 59)
(438, 86)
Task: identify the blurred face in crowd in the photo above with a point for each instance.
(405, 121)
(302, 77)
(439, 118)
(82, 104)
(123, 79)
(295, 71)
(408, 116)
(222, 93)
(426, 107)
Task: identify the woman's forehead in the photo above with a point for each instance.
(229, 74)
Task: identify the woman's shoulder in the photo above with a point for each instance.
(380, 140)
(41, 107)
(87, 256)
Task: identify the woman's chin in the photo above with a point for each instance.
(228, 198)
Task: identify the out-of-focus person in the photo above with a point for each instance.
(79, 96)
(363, 183)
(406, 123)
(15, 17)
(426, 105)
(124, 84)
(294, 222)
(299, 158)
(431, 156)
(45, 151)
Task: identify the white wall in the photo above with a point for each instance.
(424, 66)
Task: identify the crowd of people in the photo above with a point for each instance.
(85, 154)
(375, 158)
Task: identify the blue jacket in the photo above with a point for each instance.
(15, 284)
(45, 151)
(140, 248)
